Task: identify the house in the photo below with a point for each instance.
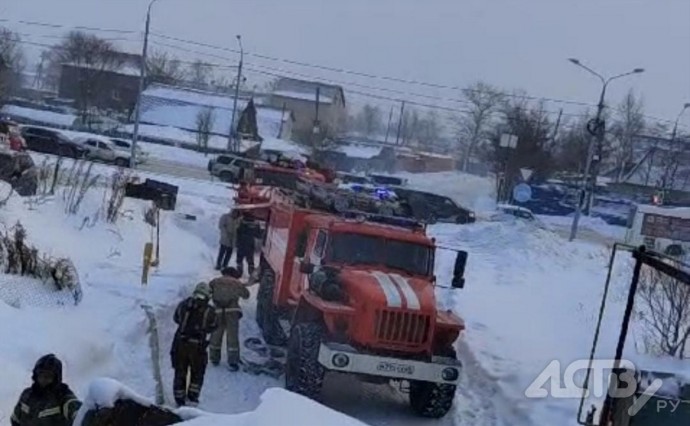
(658, 163)
(107, 87)
(299, 96)
(179, 107)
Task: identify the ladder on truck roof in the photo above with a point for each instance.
(350, 205)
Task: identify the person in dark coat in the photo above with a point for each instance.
(49, 401)
(247, 232)
(196, 319)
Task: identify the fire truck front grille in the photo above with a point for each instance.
(402, 328)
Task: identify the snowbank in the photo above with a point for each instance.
(276, 405)
(530, 298)
(594, 224)
(39, 116)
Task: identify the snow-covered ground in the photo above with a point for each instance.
(531, 297)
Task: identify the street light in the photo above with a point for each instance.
(675, 125)
(142, 80)
(596, 130)
(232, 135)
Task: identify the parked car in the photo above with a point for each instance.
(51, 141)
(101, 149)
(508, 211)
(125, 145)
(432, 207)
(381, 179)
(19, 170)
(347, 178)
(229, 168)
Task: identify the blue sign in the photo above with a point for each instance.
(522, 193)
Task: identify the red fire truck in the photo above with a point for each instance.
(353, 292)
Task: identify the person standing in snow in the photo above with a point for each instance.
(226, 292)
(247, 232)
(227, 225)
(49, 401)
(196, 319)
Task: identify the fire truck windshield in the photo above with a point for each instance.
(662, 412)
(358, 249)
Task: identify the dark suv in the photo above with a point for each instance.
(51, 141)
(431, 207)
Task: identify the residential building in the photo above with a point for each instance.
(299, 96)
(112, 87)
(657, 164)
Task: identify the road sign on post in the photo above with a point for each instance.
(522, 193)
(508, 141)
(526, 174)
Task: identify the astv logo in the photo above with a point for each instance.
(556, 382)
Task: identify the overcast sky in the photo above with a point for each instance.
(514, 44)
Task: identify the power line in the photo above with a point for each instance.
(84, 28)
(305, 64)
(363, 74)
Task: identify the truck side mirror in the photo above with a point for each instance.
(459, 270)
(306, 267)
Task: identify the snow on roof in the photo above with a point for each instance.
(37, 115)
(682, 212)
(179, 107)
(192, 96)
(674, 373)
(296, 88)
(360, 151)
(281, 145)
(303, 96)
(126, 69)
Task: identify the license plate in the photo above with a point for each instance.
(391, 367)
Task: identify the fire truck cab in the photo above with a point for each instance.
(353, 292)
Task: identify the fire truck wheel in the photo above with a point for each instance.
(266, 314)
(303, 373)
(432, 400)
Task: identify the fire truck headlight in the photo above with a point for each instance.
(340, 360)
(450, 374)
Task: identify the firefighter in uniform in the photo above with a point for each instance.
(195, 318)
(49, 401)
(226, 292)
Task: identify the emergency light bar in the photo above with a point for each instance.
(386, 220)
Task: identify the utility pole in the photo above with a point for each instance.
(142, 83)
(282, 120)
(233, 143)
(596, 128)
(400, 120)
(390, 119)
(316, 130)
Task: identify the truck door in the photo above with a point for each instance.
(315, 245)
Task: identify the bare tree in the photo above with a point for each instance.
(164, 69)
(628, 125)
(665, 313)
(205, 120)
(11, 62)
(473, 127)
(369, 120)
(200, 73)
(91, 59)
(535, 148)
(430, 129)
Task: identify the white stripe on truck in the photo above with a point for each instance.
(411, 298)
(390, 290)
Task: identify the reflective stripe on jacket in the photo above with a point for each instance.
(56, 407)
